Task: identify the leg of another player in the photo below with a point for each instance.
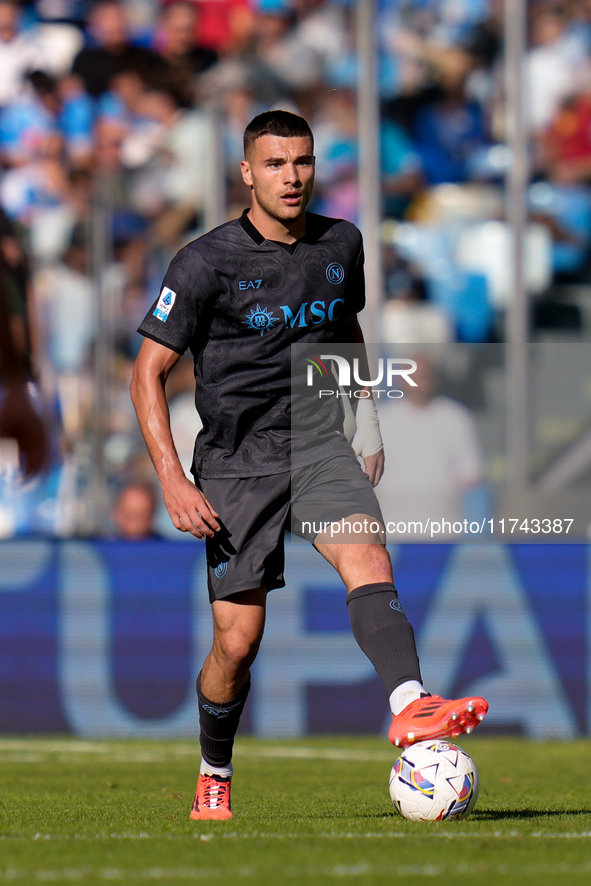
(222, 690)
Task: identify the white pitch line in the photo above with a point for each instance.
(22, 758)
(338, 871)
(48, 746)
(12, 751)
(432, 832)
(304, 753)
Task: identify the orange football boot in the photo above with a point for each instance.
(431, 716)
(212, 798)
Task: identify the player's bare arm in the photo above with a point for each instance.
(351, 332)
(188, 508)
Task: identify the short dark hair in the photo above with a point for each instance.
(281, 123)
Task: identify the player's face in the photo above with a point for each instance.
(281, 173)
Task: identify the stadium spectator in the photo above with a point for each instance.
(293, 64)
(325, 29)
(29, 121)
(335, 147)
(133, 512)
(448, 130)
(177, 44)
(177, 166)
(46, 198)
(65, 305)
(20, 52)
(36, 184)
(66, 318)
(432, 451)
(44, 107)
(223, 25)
(555, 69)
(76, 121)
(337, 156)
(566, 143)
(113, 52)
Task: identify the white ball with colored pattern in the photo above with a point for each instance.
(433, 781)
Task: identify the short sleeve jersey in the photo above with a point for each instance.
(238, 302)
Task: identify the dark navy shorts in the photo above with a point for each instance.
(255, 512)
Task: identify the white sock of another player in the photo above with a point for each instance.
(221, 771)
(404, 694)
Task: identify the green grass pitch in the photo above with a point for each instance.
(312, 811)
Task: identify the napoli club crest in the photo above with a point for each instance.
(335, 273)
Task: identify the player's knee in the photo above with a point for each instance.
(375, 559)
(379, 555)
(239, 649)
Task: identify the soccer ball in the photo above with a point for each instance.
(433, 780)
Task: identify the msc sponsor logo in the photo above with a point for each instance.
(260, 319)
(221, 569)
(335, 273)
(308, 314)
(312, 313)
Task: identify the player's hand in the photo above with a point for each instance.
(189, 509)
(373, 466)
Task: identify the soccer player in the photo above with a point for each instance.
(239, 297)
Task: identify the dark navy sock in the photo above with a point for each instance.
(219, 723)
(384, 633)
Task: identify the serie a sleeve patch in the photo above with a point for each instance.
(165, 303)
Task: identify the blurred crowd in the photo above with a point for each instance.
(120, 140)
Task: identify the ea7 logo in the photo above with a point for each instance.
(249, 284)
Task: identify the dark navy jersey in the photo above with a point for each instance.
(239, 302)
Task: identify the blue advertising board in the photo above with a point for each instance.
(107, 638)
